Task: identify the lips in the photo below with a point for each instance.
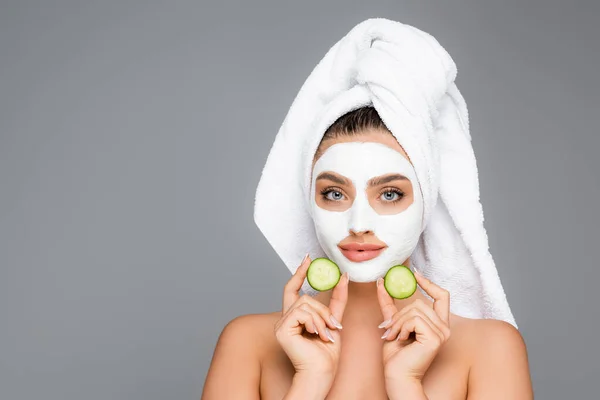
(358, 252)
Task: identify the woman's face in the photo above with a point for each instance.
(365, 203)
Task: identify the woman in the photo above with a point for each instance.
(369, 204)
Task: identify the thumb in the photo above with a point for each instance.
(386, 303)
(339, 298)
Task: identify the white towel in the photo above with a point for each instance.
(409, 78)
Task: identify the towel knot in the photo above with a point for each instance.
(398, 60)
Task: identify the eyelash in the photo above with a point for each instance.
(393, 190)
(328, 190)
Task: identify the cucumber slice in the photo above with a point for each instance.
(323, 274)
(400, 282)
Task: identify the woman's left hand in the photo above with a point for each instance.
(407, 359)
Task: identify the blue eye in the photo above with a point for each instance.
(330, 194)
(334, 195)
(392, 196)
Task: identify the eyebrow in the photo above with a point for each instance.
(334, 178)
(380, 180)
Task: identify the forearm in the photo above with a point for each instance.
(405, 389)
(305, 387)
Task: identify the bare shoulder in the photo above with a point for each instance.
(493, 335)
(483, 336)
(253, 332)
(253, 321)
(235, 367)
(497, 357)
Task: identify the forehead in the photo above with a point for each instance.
(369, 135)
(361, 161)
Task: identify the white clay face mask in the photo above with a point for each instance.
(359, 162)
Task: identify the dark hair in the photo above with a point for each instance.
(352, 123)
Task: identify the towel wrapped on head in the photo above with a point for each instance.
(408, 77)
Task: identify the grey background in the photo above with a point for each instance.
(132, 136)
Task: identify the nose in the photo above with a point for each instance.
(360, 233)
(361, 220)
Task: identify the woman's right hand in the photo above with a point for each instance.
(308, 330)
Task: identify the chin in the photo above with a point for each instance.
(362, 277)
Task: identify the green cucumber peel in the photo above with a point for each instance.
(400, 282)
(323, 274)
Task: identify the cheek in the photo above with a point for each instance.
(405, 225)
(331, 225)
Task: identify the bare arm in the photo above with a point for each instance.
(500, 368)
(234, 372)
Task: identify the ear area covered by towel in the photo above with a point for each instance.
(408, 77)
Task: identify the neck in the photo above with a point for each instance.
(363, 306)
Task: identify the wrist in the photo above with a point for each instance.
(310, 386)
(405, 388)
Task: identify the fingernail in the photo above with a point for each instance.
(335, 322)
(304, 259)
(347, 277)
(316, 331)
(329, 335)
(417, 273)
(379, 280)
(386, 333)
(385, 323)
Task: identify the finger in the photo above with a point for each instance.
(319, 323)
(429, 312)
(441, 296)
(339, 298)
(386, 302)
(296, 320)
(320, 308)
(293, 286)
(396, 329)
(424, 332)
